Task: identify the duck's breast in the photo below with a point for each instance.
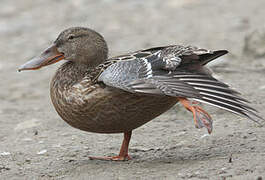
(100, 109)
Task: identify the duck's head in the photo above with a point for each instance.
(77, 44)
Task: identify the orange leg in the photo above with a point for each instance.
(123, 155)
(200, 116)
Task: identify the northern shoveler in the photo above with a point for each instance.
(98, 94)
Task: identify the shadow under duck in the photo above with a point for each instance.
(98, 94)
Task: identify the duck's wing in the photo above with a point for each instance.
(155, 67)
(175, 71)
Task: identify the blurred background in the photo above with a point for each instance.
(35, 143)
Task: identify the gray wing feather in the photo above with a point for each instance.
(120, 74)
(164, 86)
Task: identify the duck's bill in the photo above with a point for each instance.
(49, 56)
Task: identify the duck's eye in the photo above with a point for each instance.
(70, 37)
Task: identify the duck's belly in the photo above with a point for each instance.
(107, 110)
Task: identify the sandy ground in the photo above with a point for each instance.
(36, 144)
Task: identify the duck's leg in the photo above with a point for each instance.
(200, 116)
(123, 155)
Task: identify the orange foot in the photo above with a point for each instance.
(200, 116)
(113, 158)
(123, 155)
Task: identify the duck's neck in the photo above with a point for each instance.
(69, 74)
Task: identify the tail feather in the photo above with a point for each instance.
(208, 57)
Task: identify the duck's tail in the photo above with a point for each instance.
(208, 57)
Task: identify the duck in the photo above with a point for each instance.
(101, 94)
